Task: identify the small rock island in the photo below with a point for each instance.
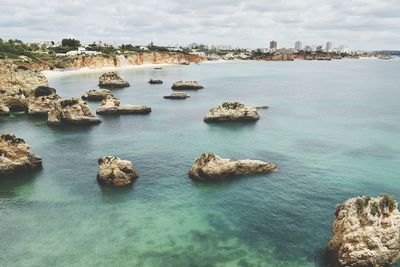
(112, 106)
(232, 111)
(15, 155)
(177, 95)
(115, 171)
(212, 167)
(96, 94)
(366, 232)
(71, 111)
(188, 85)
(155, 81)
(112, 80)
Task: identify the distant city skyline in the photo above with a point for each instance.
(361, 25)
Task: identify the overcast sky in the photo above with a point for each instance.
(359, 24)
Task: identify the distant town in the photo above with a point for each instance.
(51, 50)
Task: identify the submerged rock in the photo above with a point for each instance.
(188, 85)
(15, 155)
(178, 95)
(155, 81)
(96, 95)
(71, 111)
(112, 106)
(112, 80)
(366, 232)
(232, 111)
(115, 171)
(212, 167)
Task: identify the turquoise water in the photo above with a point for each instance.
(332, 128)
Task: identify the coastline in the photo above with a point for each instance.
(62, 72)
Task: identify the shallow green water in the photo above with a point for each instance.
(333, 130)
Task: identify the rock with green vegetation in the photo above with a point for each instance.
(232, 111)
(97, 95)
(212, 167)
(366, 232)
(15, 155)
(71, 111)
(112, 106)
(187, 85)
(112, 80)
(115, 171)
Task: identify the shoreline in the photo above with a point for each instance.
(61, 72)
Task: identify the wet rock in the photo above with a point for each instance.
(115, 171)
(15, 155)
(232, 111)
(212, 167)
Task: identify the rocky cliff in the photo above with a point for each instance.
(15, 78)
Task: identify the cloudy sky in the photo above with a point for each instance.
(359, 24)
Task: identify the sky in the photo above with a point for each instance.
(358, 24)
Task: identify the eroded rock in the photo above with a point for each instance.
(112, 80)
(115, 171)
(187, 85)
(212, 167)
(232, 111)
(96, 95)
(15, 155)
(71, 111)
(155, 81)
(178, 95)
(366, 232)
(112, 106)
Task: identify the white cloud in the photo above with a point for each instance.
(361, 24)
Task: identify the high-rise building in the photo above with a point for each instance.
(297, 46)
(328, 47)
(273, 45)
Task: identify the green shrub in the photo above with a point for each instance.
(387, 201)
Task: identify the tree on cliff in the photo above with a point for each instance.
(71, 43)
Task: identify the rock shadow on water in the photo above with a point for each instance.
(21, 178)
(116, 194)
(232, 125)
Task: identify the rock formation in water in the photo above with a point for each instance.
(112, 106)
(232, 111)
(97, 95)
(115, 171)
(177, 95)
(71, 111)
(43, 99)
(366, 232)
(188, 85)
(18, 79)
(112, 80)
(212, 167)
(155, 81)
(15, 155)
